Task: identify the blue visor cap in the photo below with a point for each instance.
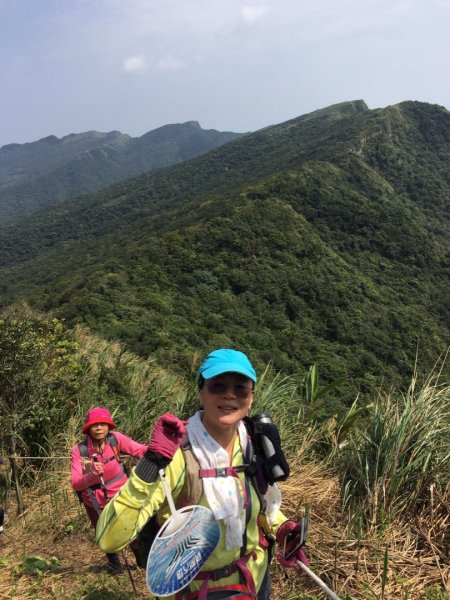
(226, 361)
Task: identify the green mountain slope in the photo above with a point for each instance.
(41, 173)
(242, 162)
(324, 239)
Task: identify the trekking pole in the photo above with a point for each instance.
(127, 565)
(317, 580)
(102, 481)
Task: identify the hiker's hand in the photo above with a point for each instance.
(167, 435)
(97, 468)
(290, 540)
(165, 440)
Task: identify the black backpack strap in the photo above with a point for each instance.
(83, 448)
(112, 440)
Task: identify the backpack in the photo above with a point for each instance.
(83, 448)
(110, 439)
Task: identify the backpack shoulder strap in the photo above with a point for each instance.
(82, 447)
(112, 440)
(114, 443)
(192, 489)
(191, 493)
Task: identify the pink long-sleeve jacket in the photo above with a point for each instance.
(114, 477)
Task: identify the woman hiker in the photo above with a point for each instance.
(97, 473)
(244, 504)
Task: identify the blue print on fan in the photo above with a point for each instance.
(177, 556)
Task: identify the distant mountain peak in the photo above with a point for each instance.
(50, 139)
(92, 136)
(39, 173)
(341, 109)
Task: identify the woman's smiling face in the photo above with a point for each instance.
(226, 399)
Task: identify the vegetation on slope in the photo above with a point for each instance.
(372, 535)
(302, 243)
(45, 172)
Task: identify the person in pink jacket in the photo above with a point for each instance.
(97, 473)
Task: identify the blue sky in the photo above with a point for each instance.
(69, 66)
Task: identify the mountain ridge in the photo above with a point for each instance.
(41, 173)
(323, 239)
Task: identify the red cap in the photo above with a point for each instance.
(98, 415)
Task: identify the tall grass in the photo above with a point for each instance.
(135, 390)
(280, 397)
(391, 463)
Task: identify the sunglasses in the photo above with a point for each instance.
(217, 388)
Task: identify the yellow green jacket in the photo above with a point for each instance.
(126, 514)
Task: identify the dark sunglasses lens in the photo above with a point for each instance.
(216, 387)
(241, 391)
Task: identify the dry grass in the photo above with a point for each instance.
(55, 525)
(354, 565)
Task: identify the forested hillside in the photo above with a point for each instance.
(324, 240)
(42, 173)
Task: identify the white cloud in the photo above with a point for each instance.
(253, 13)
(135, 64)
(169, 63)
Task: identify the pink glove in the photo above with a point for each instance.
(167, 435)
(288, 539)
(96, 466)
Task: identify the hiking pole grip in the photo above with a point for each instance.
(102, 481)
(317, 580)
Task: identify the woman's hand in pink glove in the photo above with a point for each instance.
(94, 466)
(167, 435)
(289, 540)
(97, 468)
